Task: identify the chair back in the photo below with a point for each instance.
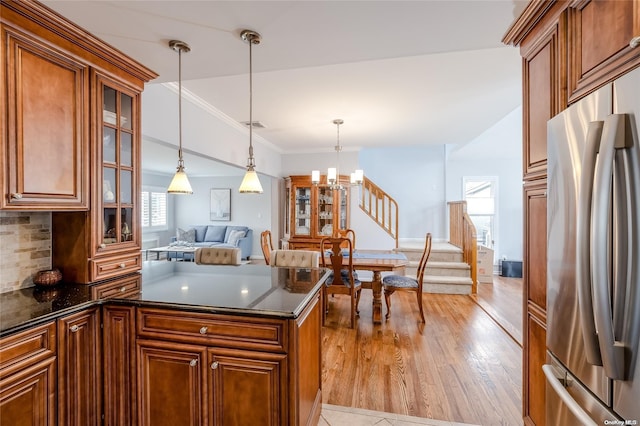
(423, 261)
(332, 247)
(218, 256)
(347, 233)
(267, 245)
(295, 258)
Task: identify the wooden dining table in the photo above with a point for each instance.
(377, 261)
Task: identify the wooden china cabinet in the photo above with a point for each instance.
(569, 49)
(314, 211)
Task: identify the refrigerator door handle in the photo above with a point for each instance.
(571, 403)
(612, 352)
(583, 243)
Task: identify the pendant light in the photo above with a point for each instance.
(180, 182)
(333, 173)
(251, 184)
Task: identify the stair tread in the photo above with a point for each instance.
(453, 265)
(447, 279)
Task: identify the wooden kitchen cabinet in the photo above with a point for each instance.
(28, 377)
(314, 211)
(544, 95)
(600, 36)
(172, 383)
(80, 369)
(119, 368)
(45, 125)
(534, 300)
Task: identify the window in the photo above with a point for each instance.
(154, 209)
(481, 196)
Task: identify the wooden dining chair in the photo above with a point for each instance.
(344, 279)
(393, 283)
(267, 245)
(347, 233)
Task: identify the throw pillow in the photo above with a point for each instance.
(186, 236)
(215, 234)
(235, 237)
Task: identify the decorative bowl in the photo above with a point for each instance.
(47, 278)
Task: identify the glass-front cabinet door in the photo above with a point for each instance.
(325, 211)
(118, 159)
(302, 210)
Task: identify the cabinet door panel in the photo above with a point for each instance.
(79, 383)
(27, 398)
(247, 388)
(46, 142)
(171, 384)
(535, 281)
(534, 383)
(119, 365)
(599, 48)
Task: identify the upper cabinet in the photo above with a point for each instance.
(314, 211)
(71, 139)
(45, 131)
(602, 35)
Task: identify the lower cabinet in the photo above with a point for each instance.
(79, 369)
(195, 385)
(28, 377)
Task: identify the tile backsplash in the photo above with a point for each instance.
(25, 248)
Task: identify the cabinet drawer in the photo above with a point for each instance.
(212, 330)
(115, 266)
(27, 347)
(122, 288)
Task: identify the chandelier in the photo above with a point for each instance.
(333, 173)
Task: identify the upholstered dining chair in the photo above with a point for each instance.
(267, 245)
(295, 258)
(393, 283)
(218, 256)
(344, 279)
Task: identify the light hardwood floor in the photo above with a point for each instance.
(502, 300)
(460, 366)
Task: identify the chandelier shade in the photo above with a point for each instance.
(333, 173)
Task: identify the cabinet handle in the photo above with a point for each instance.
(122, 266)
(74, 328)
(123, 289)
(193, 362)
(635, 42)
(214, 365)
(103, 245)
(203, 330)
(16, 196)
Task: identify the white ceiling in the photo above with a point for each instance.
(397, 72)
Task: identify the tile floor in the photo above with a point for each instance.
(334, 415)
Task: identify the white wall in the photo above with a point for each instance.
(497, 152)
(252, 210)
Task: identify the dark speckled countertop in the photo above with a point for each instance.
(254, 290)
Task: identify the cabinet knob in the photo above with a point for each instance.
(74, 328)
(203, 330)
(16, 196)
(193, 362)
(123, 289)
(103, 245)
(214, 365)
(635, 42)
(122, 266)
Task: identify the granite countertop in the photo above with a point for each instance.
(253, 290)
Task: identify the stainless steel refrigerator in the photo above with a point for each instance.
(593, 263)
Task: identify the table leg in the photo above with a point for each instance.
(376, 286)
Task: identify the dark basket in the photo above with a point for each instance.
(48, 278)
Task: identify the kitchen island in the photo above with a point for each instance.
(200, 344)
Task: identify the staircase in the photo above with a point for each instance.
(446, 272)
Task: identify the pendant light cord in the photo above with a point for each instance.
(251, 160)
(180, 162)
